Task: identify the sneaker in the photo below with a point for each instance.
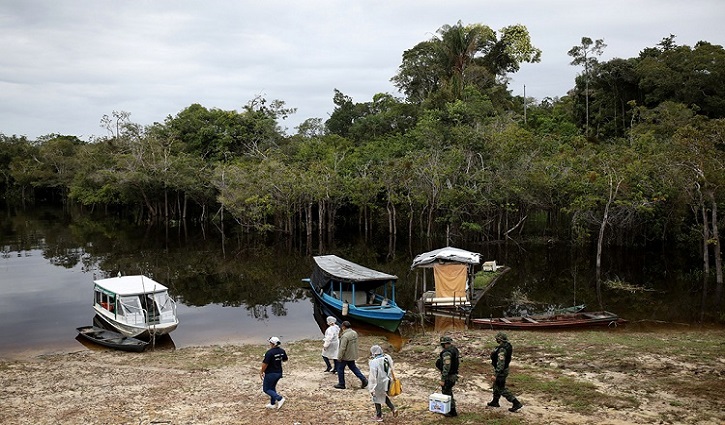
(340, 387)
(377, 418)
(493, 404)
(516, 407)
(395, 413)
(270, 406)
(364, 384)
(280, 402)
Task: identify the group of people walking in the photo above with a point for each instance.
(340, 350)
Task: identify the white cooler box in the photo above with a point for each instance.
(439, 403)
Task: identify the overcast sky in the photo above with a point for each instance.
(64, 64)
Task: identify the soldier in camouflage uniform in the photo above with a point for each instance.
(500, 359)
(447, 363)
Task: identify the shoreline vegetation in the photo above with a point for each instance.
(622, 376)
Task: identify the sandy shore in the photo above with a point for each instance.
(618, 377)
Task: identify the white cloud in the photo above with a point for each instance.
(63, 65)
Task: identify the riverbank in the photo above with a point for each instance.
(584, 377)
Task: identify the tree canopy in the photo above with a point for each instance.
(454, 157)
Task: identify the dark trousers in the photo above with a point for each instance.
(447, 389)
(499, 389)
(341, 371)
(329, 366)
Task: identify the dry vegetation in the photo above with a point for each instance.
(586, 377)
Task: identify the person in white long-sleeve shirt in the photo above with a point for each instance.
(330, 344)
(381, 372)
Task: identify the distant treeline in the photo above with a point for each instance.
(633, 154)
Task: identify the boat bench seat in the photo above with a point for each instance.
(361, 298)
(530, 320)
(443, 301)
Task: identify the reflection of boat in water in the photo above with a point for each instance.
(356, 292)
(135, 306)
(321, 312)
(111, 339)
(555, 321)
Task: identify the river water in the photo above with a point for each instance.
(235, 289)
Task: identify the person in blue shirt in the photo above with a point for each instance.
(272, 372)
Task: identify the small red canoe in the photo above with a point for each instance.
(555, 321)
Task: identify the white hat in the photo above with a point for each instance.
(331, 320)
(274, 340)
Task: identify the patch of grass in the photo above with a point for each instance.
(618, 283)
(709, 386)
(483, 279)
(488, 417)
(579, 396)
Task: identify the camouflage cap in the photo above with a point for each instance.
(446, 340)
(501, 337)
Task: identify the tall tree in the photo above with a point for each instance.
(702, 154)
(584, 54)
(460, 55)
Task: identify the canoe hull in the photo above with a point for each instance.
(111, 339)
(558, 321)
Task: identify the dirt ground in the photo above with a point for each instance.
(221, 384)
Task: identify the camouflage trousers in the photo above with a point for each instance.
(447, 389)
(500, 390)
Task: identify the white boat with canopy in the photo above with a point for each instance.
(136, 306)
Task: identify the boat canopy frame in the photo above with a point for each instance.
(340, 275)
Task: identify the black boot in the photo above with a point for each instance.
(494, 402)
(517, 405)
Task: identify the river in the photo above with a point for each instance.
(238, 289)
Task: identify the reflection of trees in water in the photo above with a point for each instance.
(261, 312)
(263, 276)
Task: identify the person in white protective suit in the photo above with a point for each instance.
(330, 344)
(381, 372)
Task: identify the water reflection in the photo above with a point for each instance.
(235, 288)
(321, 312)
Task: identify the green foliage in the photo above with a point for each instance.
(456, 157)
(438, 70)
(617, 94)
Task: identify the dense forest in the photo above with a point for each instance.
(633, 154)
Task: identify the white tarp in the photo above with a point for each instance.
(447, 254)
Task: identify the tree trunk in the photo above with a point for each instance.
(716, 247)
(308, 230)
(705, 257)
(321, 220)
(613, 190)
(186, 202)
